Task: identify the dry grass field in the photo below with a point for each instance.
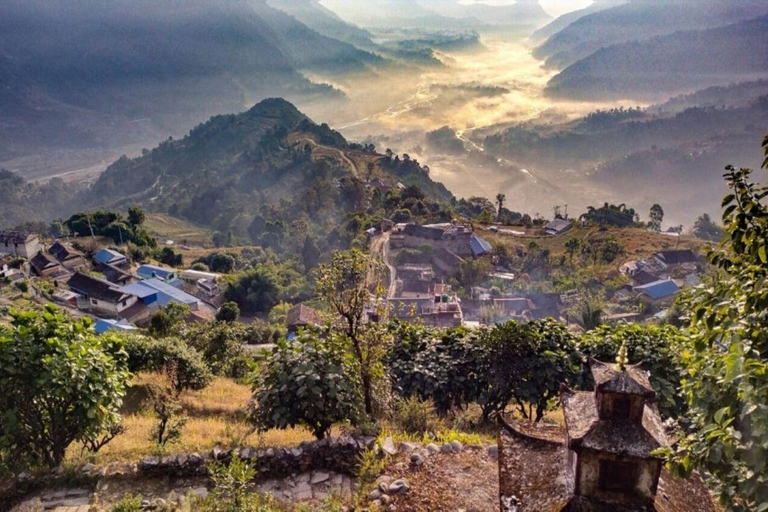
(215, 416)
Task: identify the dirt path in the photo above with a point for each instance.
(467, 481)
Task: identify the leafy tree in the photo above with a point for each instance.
(229, 312)
(136, 216)
(726, 356)
(310, 253)
(170, 257)
(60, 383)
(571, 247)
(610, 214)
(306, 382)
(706, 229)
(345, 284)
(656, 216)
(500, 198)
(168, 319)
(526, 363)
(221, 345)
(255, 290)
(590, 310)
(154, 355)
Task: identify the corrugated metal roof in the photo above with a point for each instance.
(659, 289)
(479, 246)
(108, 256)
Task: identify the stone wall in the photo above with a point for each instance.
(337, 454)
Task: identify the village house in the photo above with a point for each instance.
(46, 266)
(19, 244)
(603, 460)
(301, 316)
(102, 297)
(166, 275)
(68, 257)
(104, 325)
(558, 227)
(455, 238)
(658, 293)
(111, 258)
(676, 258)
(519, 309)
(157, 293)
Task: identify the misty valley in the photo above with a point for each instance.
(383, 255)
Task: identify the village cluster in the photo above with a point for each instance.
(106, 286)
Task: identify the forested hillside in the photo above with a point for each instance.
(640, 20)
(669, 65)
(316, 16)
(563, 21)
(269, 175)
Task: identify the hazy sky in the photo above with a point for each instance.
(553, 7)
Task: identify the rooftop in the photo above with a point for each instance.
(479, 246)
(677, 256)
(63, 252)
(659, 289)
(96, 288)
(633, 380)
(15, 237)
(108, 256)
(302, 315)
(165, 292)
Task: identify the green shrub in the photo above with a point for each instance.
(230, 491)
(60, 383)
(221, 345)
(416, 416)
(306, 383)
(129, 503)
(149, 354)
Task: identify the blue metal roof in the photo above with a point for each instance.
(479, 246)
(108, 255)
(167, 293)
(139, 290)
(150, 270)
(659, 289)
(103, 326)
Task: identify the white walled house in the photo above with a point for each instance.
(19, 244)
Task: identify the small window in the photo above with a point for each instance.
(618, 476)
(621, 408)
(94, 301)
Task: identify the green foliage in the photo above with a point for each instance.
(653, 346)
(60, 383)
(229, 312)
(129, 503)
(446, 367)
(168, 320)
(527, 363)
(656, 216)
(726, 357)
(221, 345)
(220, 262)
(416, 416)
(153, 355)
(113, 225)
(706, 229)
(307, 382)
(170, 257)
(610, 215)
(256, 290)
(230, 491)
(346, 284)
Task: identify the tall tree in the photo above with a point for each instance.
(571, 246)
(656, 216)
(726, 357)
(350, 284)
(500, 198)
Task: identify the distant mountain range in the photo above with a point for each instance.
(667, 65)
(316, 16)
(640, 20)
(104, 73)
(563, 21)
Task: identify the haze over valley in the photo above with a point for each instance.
(558, 103)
